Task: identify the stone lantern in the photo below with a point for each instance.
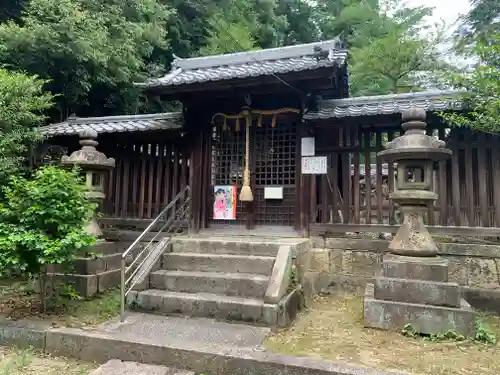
(95, 165)
(413, 288)
(415, 154)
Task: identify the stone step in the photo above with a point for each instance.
(231, 263)
(117, 367)
(226, 246)
(208, 305)
(231, 284)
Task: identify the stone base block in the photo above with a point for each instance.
(417, 291)
(85, 285)
(108, 248)
(430, 269)
(426, 319)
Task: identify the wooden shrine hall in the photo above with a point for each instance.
(270, 138)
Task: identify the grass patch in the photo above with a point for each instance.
(332, 329)
(28, 362)
(18, 301)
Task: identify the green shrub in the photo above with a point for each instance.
(42, 221)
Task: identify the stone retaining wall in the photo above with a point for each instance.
(351, 263)
(92, 274)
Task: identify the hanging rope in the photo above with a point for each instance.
(257, 112)
(246, 194)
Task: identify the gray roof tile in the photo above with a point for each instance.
(116, 124)
(250, 64)
(385, 104)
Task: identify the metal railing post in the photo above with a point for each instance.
(136, 265)
(122, 290)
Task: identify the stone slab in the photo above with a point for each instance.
(284, 313)
(417, 291)
(230, 263)
(426, 319)
(204, 359)
(109, 247)
(226, 246)
(280, 276)
(117, 367)
(107, 280)
(197, 305)
(231, 284)
(430, 269)
(23, 333)
(201, 330)
(363, 244)
(84, 285)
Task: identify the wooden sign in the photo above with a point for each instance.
(314, 165)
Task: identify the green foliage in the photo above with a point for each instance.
(481, 83)
(86, 46)
(42, 221)
(483, 334)
(390, 55)
(242, 25)
(483, 17)
(228, 37)
(22, 107)
(449, 335)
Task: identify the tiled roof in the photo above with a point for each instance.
(385, 104)
(116, 124)
(252, 64)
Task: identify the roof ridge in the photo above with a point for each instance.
(443, 100)
(112, 124)
(269, 54)
(118, 118)
(387, 97)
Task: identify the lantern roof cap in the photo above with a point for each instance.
(415, 144)
(88, 157)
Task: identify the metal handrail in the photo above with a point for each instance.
(143, 257)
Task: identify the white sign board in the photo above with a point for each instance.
(273, 192)
(314, 165)
(308, 146)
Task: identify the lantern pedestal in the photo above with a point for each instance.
(413, 291)
(416, 292)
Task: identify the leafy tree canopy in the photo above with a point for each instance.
(482, 82)
(22, 106)
(91, 50)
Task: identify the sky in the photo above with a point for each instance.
(448, 10)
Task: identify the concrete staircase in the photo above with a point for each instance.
(228, 279)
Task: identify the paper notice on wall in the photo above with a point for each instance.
(314, 165)
(308, 146)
